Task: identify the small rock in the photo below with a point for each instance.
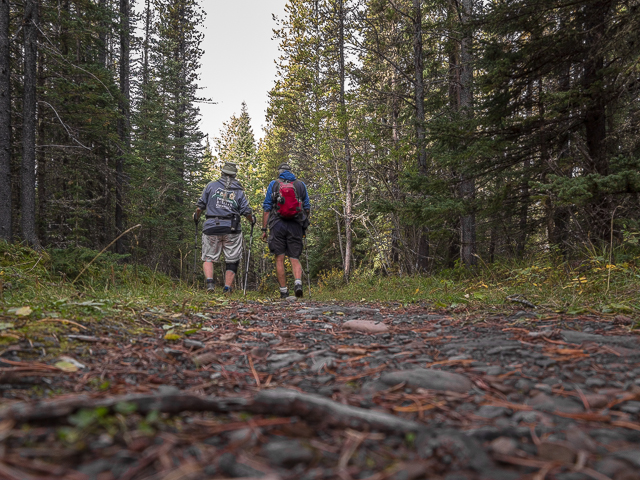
(230, 466)
(596, 400)
(489, 411)
(523, 385)
(168, 390)
(246, 436)
(613, 468)
(287, 453)
(457, 449)
(321, 362)
(547, 403)
(279, 361)
(429, 379)
(291, 298)
(581, 337)
(93, 469)
(373, 386)
(173, 352)
(365, 326)
(411, 471)
(205, 358)
(632, 407)
(193, 343)
(631, 456)
(561, 452)
(595, 382)
(580, 440)
(504, 446)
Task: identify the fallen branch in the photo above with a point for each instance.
(281, 401)
(278, 401)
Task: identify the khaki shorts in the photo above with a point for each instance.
(213, 245)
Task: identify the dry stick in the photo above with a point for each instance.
(278, 401)
(104, 250)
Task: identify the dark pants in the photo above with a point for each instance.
(285, 238)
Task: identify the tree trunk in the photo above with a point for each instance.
(348, 205)
(423, 238)
(41, 159)
(419, 87)
(124, 122)
(28, 168)
(5, 124)
(595, 115)
(467, 184)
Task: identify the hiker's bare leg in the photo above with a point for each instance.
(280, 273)
(228, 278)
(296, 266)
(207, 267)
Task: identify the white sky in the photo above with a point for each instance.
(238, 61)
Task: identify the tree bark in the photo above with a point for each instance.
(41, 160)
(348, 206)
(423, 238)
(467, 184)
(28, 168)
(5, 124)
(595, 115)
(125, 120)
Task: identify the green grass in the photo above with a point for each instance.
(111, 288)
(590, 286)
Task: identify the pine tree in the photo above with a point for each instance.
(5, 123)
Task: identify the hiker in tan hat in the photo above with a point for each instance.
(223, 202)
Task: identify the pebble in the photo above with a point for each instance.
(286, 453)
(546, 403)
(489, 411)
(365, 326)
(504, 446)
(631, 456)
(193, 343)
(595, 382)
(429, 379)
(278, 361)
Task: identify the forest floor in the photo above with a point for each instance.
(319, 390)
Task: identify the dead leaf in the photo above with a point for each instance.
(24, 311)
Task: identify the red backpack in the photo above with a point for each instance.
(288, 205)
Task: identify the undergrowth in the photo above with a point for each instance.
(592, 285)
(44, 281)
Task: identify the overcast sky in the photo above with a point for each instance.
(238, 61)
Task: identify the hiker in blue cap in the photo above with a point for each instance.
(286, 214)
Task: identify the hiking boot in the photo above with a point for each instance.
(210, 286)
(284, 294)
(297, 289)
(226, 290)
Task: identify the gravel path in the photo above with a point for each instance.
(317, 391)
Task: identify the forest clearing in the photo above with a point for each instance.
(426, 265)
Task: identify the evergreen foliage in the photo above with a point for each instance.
(430, 133)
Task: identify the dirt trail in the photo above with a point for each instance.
(304, 391)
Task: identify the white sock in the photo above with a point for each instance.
(284, 289)
(298, 281)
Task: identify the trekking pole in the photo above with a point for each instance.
(246, 273)
(195, 250)
(306, 252)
